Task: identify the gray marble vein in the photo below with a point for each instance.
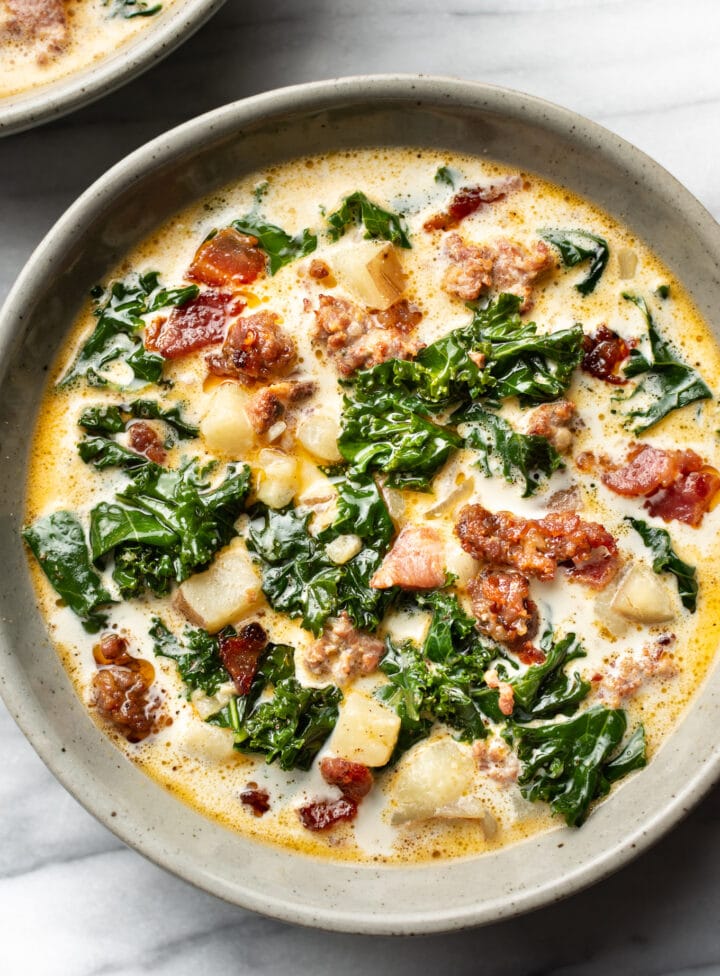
(74, 901)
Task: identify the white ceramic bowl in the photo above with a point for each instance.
(123, 207)
(166, 31)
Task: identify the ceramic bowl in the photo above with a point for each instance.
(166, 32)
(122, 208)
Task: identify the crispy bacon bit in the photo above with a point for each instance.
(517, 269)
(355, 338)
(529, 654)
(501, 602)
(42, 23)
(343, 651)
(256, 348)
(353, 779)
(469, 272)
(323, 814)
(200, 322)
(680, 485)
(318, 270)
(269, 405)
(604, 350)
(257, 799)
(496, 761)
(145, 440)
(121, 690)
(555, 422)
(506, 698)
(469, 199)
(626, 674)
(415, 562)
(240, 655)
(536, 547)
(228, 259)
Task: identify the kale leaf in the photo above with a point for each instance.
(301, 580)
(569, 764)
(279, 246)
(666, 560)
(447, 176)
(525, 458)
(58, 543)
(102, 452)
(576, 246)
(291, 726)
(670, 383)
(546, 690)
(378, 223)
(165, 525)
(198, 658)
(111, 419)
(389, 433)
(115, 337)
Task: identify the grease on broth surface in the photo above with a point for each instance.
(294, 196)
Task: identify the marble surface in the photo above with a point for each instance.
(73, 899)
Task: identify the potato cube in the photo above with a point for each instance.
(366, 731)
(431, 775)
(277, 482)
(370, 270)
(198, 740)
(642, 597)
(226, 426)
(225, 592)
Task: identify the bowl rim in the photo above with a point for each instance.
(35, 106)
(174, 144)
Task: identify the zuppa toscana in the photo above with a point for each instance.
(372, 505)
(42, 41)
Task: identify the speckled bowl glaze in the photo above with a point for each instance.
(168, 30)
(118, 211)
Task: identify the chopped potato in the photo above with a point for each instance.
(642, 597)
(342, 549)
(370, 270)
(277, 478)
(318, 434)
(207, 705)
(366, 731)
(431, 776)
(225, 592)
(226, 427)
(198, 740)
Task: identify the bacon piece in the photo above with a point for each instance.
(501, 602)
(529, 654)
(506, 698)
(145, 440)
(677, 484)
(353, 779)
(255, 348)
(228, 259)
(626, 674)
(343, 651)
(469, 199)
(688, 498)
(257, 799)
(121, 690)
(536, 547)
(517, 269)
(415, 562)
(240, 655)
(355, 338)
(469, 272)
(323, 814)
(603, 351)
(496, 761)
(269, 405)
(318, 270)
(200, 322)
(554, 421)
(42, 23)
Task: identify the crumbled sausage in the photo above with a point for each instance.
(469, 271)
(121, 690)
(323, 814)
(503, 266)
(270, 404)
(343, 651)
(318, 270)
(603, 351)
(555, 422)
(357, 339)
(255, 348)
(536, 547)
(257, 799)
(354, 780)
(626, 674)
(503, 607)
(415, 562)
(506, 698)
(496, 761)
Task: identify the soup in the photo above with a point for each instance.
(372, 505)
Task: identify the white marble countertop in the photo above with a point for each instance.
(73, 899)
